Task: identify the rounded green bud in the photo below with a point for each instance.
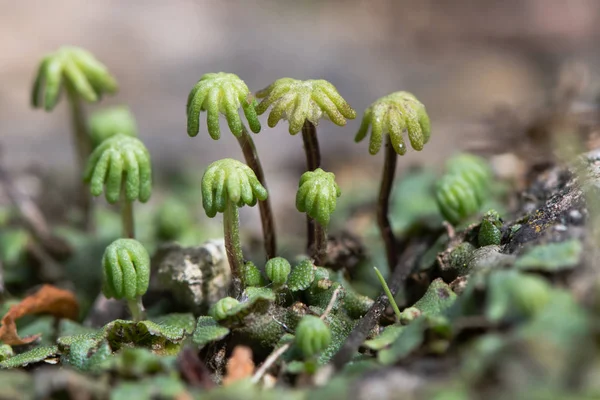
(220, 309)
(456, 198)
(222, 93)
(230, 180)
(489, 230)
(312, 335)
(252, 275)
(120, 161)
(460, 256)
(393, 115)
(300, 101)
(172, 219)
(409, 314)
(111, 121)
(126, 269)
(473, 169)
(317, 195)
(76, 68)
(277, 270)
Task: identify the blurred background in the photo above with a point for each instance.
(462, 58)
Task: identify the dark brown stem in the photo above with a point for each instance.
(313, 161)
(83, 148)
(387, 181)
(127, 219)
(266, 212)
(320, 248)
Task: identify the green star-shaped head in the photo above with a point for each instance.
(317, 195)
(298, 101)
(221, 93)
(474, 170)
(111, 121)
(230, 180)
(87, 76)
(392, 115)
(119, 159)
(126, 269)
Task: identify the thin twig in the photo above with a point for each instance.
(331, 303)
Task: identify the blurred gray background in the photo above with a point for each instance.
(461, 58)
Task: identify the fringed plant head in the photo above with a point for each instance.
(126, 269)
(457, 199)
(474, 170)
(111, 121)
(82, 72)
(298, 101)
(393, 115)
(317, 195)
(278, 270)
(312, 336)
(120, 159)
(221, 93)
(229, 180)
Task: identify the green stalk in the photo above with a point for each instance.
(313, 161)
(138, 313)
(387, 181)
(83, 148)
(266, 212)
(388, 293)
(233, 247)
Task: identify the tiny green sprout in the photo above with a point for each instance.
(317, 197)
(219, 310)
(388, 293)
(312, 336)
(111, 121)
(226, 185)
(489, 230)
(251, 275)
(391, 116)
(120, 167)
(224, 93)
(126, 273)
(277, 270)
(83, 77)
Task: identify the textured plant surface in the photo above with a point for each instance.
(392, 115)
(220, 93)
(317, 195)
(74, 67)
(312, 336)
(299, 101)
(277, 270)
(126, 269)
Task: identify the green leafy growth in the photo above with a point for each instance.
(551, 257)
(409, 339)
(300, 101)
(312, 336)
(126, 267)
(140, 362)
(474, 169)
(220, 93)
(317, 195)
(6, 352)
(252, 275)
(413, 201)
(32, 356)
(438, 298)
(220, 309)
(229, 180)
(388, 336)
(302, 275)
(156, 387)
(278, 269)
(489, 230)
(120, 163)
(88, 354)
(185, 321)
(512, 294)
(81, 73)
(254, 300)
(111, 121)
(208, 331)
(340, 326)
(460, 256)
(393, 115)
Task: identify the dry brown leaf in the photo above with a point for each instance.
(239, 366)
(48, 300)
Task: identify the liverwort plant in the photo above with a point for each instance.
(317, 197)
(227, 185)
(391, 116)
(303, 104)
(82, 77)
(111, 121)
(225, 93)
(126, 274)
(120, 167)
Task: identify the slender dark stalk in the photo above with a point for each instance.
(266, 212)
(83, 148)
(320, 248)
(127, 219)
(387, 180)
(138, 313)
(233, 247)
(313, 161)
